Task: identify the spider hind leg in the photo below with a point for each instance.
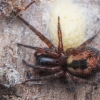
(80, 80)
(71, 83)
(85, 43)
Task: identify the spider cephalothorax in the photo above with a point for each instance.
(74, 64)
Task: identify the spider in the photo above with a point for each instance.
(74, 64)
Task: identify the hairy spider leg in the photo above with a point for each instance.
(81, 47)
(60, 44)
(70, 82)
(41, 50)
(42, 37)
(42, 68)
(27, 46)
(85, 43)
(56, 75)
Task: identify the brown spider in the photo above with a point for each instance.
(74, 64)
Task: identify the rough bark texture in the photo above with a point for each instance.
(13, 31)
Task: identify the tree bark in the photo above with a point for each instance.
(14, 31)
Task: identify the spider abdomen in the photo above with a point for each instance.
(83, 63)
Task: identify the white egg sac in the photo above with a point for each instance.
(72, 22)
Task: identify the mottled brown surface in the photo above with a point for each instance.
(13, 31)
(86, 60)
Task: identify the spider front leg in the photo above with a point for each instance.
(42, 37)
(49, 52)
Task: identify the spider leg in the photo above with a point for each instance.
(27, 46)
(73, 51)
(56, 75)
(70, 82)
(42, 37)
(48, 53)
(80, 80)
(85, 43)
(42, 68)
(60, 44)
(41, 51)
